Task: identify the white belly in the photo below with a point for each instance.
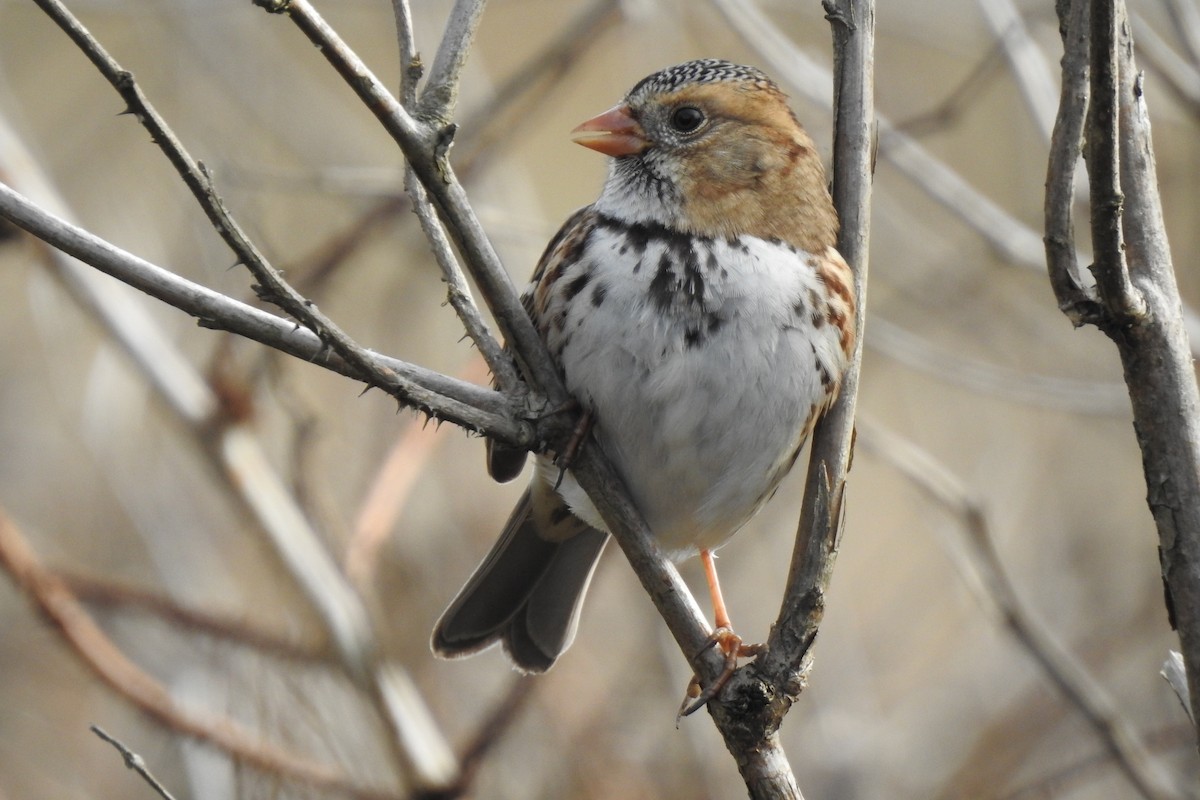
(701, 405)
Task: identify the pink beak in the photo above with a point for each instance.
(613, 133)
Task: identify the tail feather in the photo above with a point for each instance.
(527, 593)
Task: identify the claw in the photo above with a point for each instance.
(582, 429)
(733, 648)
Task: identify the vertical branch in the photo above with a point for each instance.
(756, 699)
(1138, 302)
(853, 24)
(1104, 166)
(441, 92)
(1078, 302)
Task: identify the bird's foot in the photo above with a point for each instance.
(733, 648)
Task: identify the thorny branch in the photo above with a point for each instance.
(425, 135)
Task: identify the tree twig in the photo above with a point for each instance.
(1077, 300)
(1123, 302)
(134, 762)
(90, 644)
(473, 407)
(107, 593)
(1141, 309)
(441, 90)
(272, 287)
(1000, 597)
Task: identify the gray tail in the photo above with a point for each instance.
(528, 591)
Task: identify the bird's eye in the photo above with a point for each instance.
(687, 119)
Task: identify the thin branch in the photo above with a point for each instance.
(99, 591)
(425, 147)
(1122, 301)
(1029, 67)
(1075, 299)
(441, 90)
(853, 26)
(457, 291)
(468, 405)
(90, 644)
(1185, 18)
(1012, 239)
(134, 762)
(272, 287)
(1000, 597)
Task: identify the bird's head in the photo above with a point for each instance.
(711, 147)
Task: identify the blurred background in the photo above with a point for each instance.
(918, 691)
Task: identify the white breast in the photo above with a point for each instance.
(703, 362)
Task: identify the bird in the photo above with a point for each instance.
(702, 318)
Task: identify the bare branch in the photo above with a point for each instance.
(106, 593)
(441, 90)
(1029, 67)
(1122, 301)
(272, 287)
(465, 404)
(425, 146)
(1140, 308)
(458, 293)
(853, 26)
(998, 594)
(1075, 299)
(89, 643)
(134, 762)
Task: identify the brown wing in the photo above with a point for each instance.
(504, 462)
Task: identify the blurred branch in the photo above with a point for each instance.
(134, 762)
(89, 643)
(999, 596)
(1182, 76)
(1029, 68)
(408, 456)
(949, 365)
(239, 461)
(1185, 17)
(1139, 304)
(1012, 239)
(111, 594)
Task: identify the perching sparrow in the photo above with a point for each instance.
(701, 315)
